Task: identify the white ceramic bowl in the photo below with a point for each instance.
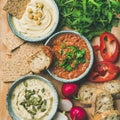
(9, 97)
(80, 77)
(35, 39)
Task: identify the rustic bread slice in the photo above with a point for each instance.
(103, 102)
(108, 115)
(40, 60)
(86, 94)
(113, 87)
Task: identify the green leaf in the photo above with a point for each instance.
(89, 17)
(84, 5)
(109, 17)
(69, 68)
(115, 22)
(83, 60)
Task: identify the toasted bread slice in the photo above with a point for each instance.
(108, 115)
(103, 102)
(86, 94)
(113, 87)
(40, 60)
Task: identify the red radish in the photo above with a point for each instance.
(65, 105)
(60, 116)
(69, 89)
(78, 113)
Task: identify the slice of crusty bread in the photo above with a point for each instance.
(113, 87)
(40, 60)
(103, 102)
(108, 115)
(86, 94)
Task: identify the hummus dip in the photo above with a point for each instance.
(38, 19)
(32, 100)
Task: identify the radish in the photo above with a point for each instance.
(78, 113)
(69, 89)
(65, 105)
(60, 116)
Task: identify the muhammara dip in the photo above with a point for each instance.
(32, 100)
(38, 19)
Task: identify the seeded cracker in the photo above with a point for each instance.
(16, 7)
(17, 64)
(11, 41)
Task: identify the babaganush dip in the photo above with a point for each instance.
(32, 100)
(71, 56)
(38, 19)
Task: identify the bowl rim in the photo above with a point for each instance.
(91, 55)
(20, 80)
(37, 39)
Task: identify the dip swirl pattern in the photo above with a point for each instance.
(28, 27)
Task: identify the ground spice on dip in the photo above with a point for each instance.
(71, 56)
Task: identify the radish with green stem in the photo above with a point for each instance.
(65, 105)
(69, 89)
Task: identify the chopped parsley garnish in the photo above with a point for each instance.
(73, 57)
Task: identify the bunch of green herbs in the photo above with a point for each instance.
(89, 17)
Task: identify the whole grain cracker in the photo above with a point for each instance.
(11, 41)
(16, 65)
(14, 68)
(16, 7)
(28, 49)
(15, 78)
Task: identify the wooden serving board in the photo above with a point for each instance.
(4, 28)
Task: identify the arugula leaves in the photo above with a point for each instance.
(89, 17)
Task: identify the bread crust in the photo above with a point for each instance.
(103, 102)
(40, 60)
(113, 87)
(87, 94)
(107, 115)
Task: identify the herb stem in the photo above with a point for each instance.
(68, 1)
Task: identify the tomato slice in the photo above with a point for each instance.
(103, 71)
(108, 40)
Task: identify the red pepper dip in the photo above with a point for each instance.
(71, 56)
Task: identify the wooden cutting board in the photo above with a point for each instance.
(4, 28)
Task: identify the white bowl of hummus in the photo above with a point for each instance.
(38, 22)
(32, 98)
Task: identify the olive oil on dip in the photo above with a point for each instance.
(32, 100)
